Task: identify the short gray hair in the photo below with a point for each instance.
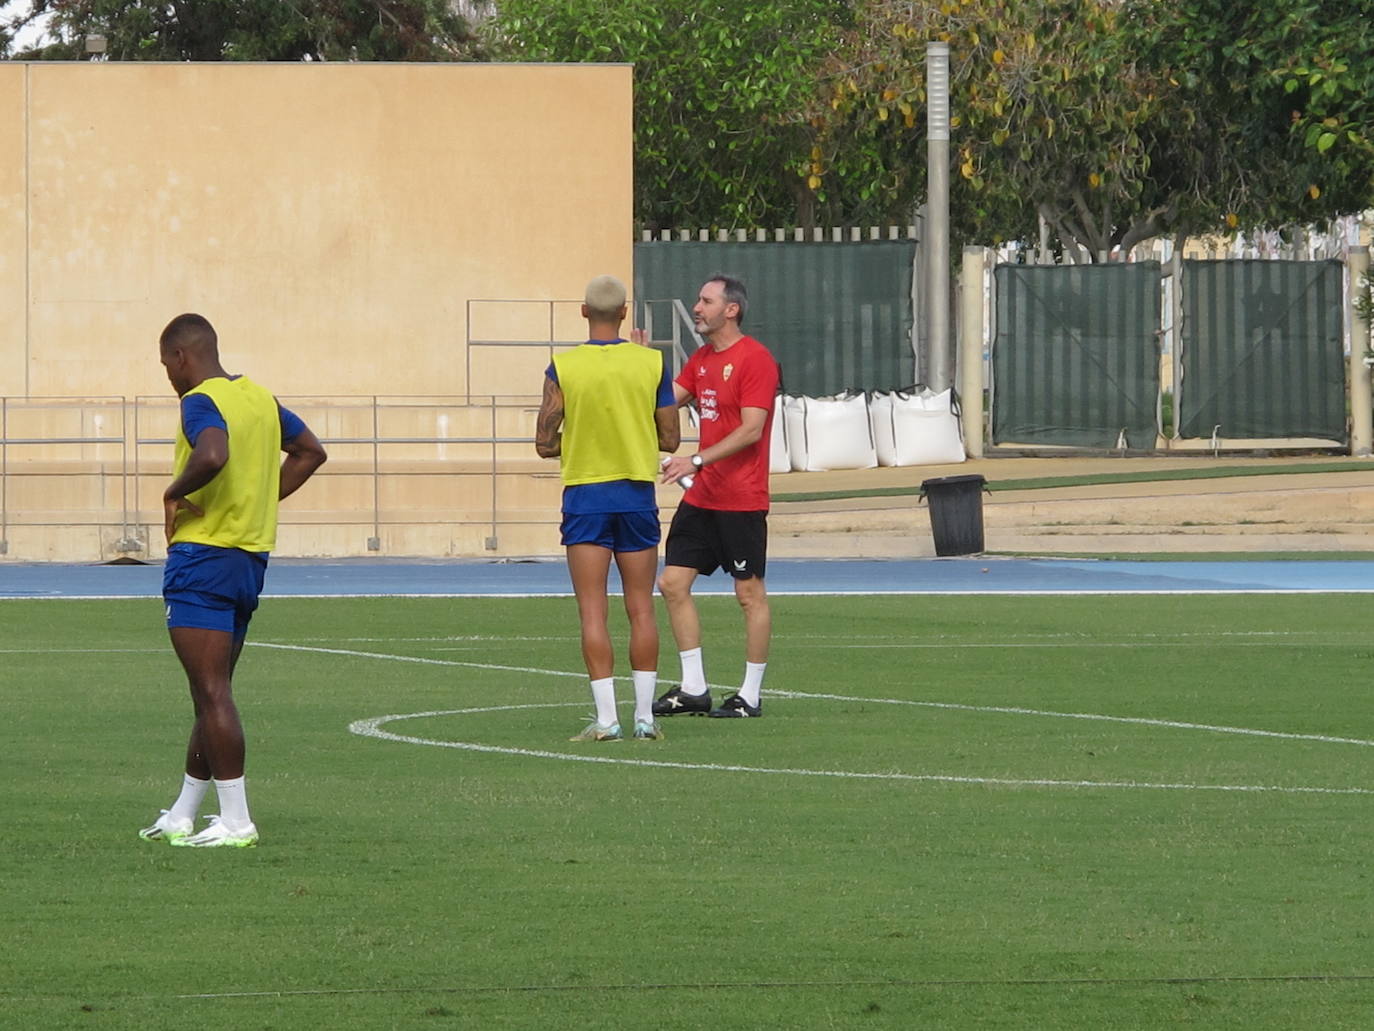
(733, 291)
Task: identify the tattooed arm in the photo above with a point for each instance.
(548, 429)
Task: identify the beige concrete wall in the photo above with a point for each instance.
(420, 476)
(13, 255)
(333, 221)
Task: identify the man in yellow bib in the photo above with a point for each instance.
(220, 514)
(608, 410)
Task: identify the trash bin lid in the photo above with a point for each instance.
(949, 481)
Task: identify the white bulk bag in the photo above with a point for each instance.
(880, 424)
(779, 459)
(793, 416)
(924, 429)
(830, 433)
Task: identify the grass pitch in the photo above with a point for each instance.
(1084, 812)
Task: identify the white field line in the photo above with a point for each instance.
(415, 659)
(955, 706)
(841, 642)
(1137, 720)
(936, 645)
(849, 642)
(82, 651)
(372, 728)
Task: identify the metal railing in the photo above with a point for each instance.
(560, 326)
(11, 466)
(380, 439)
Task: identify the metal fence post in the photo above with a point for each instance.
(494, 541)
(4, 474)
(971, 290)
(1361, 404)
(374, 543)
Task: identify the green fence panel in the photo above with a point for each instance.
(1262, 350)
(1075, 356)
(836, 316)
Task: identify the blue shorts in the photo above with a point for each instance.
(212, 588)
(619, 531)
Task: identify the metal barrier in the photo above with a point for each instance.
(31, 411)
(479, 451)
(560, 326)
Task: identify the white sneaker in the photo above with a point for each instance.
(168, 828)
(220, 835)
(648, 730)
(596, 732)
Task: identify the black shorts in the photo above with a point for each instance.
(706, 539)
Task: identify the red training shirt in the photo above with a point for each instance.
(744, 375)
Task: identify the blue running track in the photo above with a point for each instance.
(372, 578)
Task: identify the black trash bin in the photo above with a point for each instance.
(956, 513)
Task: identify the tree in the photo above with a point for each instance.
(1240, 157)
(254, 30)
(722, 88)
(1111, 120)
(1048, 112)
(1329, 85)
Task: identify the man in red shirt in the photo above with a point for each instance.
(722, 522)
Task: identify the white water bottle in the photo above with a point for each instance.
(682, 481)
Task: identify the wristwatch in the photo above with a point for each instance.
(698, 461)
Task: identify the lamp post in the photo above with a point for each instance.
(936, 243)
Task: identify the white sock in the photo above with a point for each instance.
(693, 674)
(603, 694)
(646, 683)
(188, 802)
(233, 803)
(753, 682)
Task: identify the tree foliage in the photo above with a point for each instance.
(253, 30)
(721, 92)
(1111, 120)
(1048, 112)
(1328, 83)
(1244, 157)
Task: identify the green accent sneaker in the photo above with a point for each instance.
(648, 730)
(596, 732)
(167, 828)
(220, 835)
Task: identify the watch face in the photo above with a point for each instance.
(696, 461)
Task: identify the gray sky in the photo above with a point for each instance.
(33, 33)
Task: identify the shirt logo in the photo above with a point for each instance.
(706, 405)
(701, 370)
(726, 374)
